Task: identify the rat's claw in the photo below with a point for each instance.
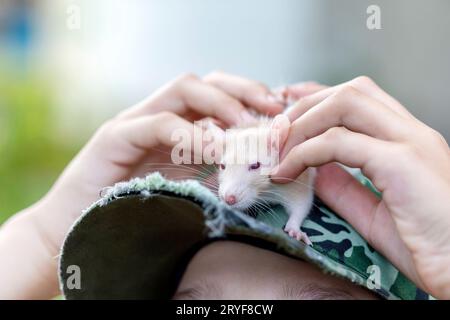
(297, 234)
(306, 239)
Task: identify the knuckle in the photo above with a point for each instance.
(427, 136)
(342, 94)
(257, 85)
(346, 91)
(186, 77)
(213, 75)
(295, 130)
(302, 101)
(108, 130)
(108, 126)
(333, 134)
(436, 135)
(228, 104)
(164, 116)
(223, 100)
(296, 152)
(407, 151)
(311, 85)
(254, 88)
(345, 94)
(364, 81)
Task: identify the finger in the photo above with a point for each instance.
(352, 109)
(363, 84)
(292, 93)
(337, 189)
(282, 124)
(369, 87)
(305, 88)
(307, 102)
(252, 93)
(163, 129)
(336, 144)
(189, 94)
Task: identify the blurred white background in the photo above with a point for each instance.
(126, 49)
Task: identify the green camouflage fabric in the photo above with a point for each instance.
(337, 248)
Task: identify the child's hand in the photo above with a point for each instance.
(139, 137)
(123, 147)
(359, 125)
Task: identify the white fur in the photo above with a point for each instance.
(250, 187)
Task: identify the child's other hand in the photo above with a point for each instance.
(130, 143)
(359, 125)
(122, 148)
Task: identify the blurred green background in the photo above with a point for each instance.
(31, 153)
(66, 66)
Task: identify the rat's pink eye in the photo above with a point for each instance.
(222, 166)
(255, 166)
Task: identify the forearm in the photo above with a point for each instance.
(28, 268)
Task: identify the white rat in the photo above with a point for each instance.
(247, 183)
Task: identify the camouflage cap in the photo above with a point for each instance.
(126, 247)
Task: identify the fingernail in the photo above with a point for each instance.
(275, 124)
(281, 121)
(274, 171)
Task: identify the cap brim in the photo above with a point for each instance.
(134, 242)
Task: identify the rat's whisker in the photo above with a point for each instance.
(210, 185)
(196, 178)
(195, 172)
(270, 213)
(175, 165)
(169, 166)
(303, 184)
(170, 154)
(161, 151)
(266, 209)
(277, 216)
(285, 200)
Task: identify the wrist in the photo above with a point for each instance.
(53, 216)
(29, 266)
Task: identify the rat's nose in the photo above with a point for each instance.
(230, 199)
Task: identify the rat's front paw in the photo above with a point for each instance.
(297, 234)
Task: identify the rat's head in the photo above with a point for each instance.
(250, 152)
(240, 184)
(244, 168)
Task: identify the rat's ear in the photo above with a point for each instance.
(213, 131)
(281, 125)
(213, 140)
(217, 132)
